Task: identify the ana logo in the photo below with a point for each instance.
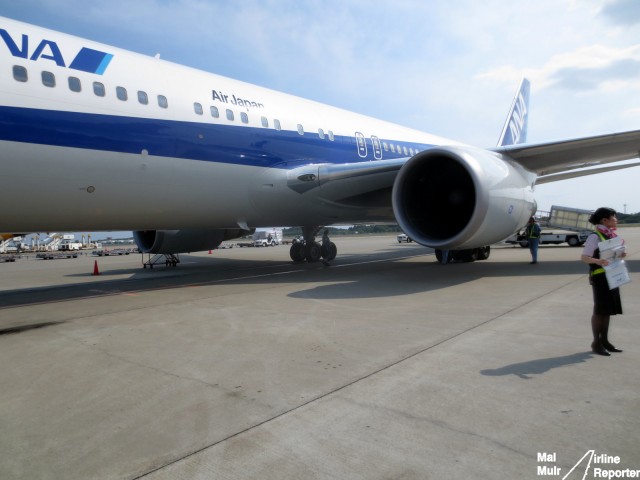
(517, 126)
(87, 59)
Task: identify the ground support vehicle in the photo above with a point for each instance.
(56, 255)
(69, 245)
(562, 225)
(267, 238)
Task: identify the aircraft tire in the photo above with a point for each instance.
(466, 256)
(484, 252)
(313, 252)
(296, 252)
(330, 252)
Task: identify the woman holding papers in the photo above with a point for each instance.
(606, 300)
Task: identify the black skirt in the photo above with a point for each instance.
(605, 301)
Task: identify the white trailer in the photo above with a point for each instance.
(562, 225)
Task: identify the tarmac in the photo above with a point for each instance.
(240, 364)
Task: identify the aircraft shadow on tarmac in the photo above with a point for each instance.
(389, 279)
(351, 276)
(526, 370)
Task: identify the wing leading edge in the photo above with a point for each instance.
(562, 160)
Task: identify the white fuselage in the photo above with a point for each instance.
(78, 154)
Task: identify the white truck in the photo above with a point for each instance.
(267, 238)
(69, 245)
(563, 225)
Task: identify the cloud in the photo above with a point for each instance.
(622, 12)
(595, 67)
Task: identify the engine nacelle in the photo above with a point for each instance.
(182, 241)
(462, 197)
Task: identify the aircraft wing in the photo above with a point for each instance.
(552, 161)
(562, 160)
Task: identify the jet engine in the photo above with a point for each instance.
(461, 197)
(181, 241)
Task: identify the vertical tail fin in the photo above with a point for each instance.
(515, 128)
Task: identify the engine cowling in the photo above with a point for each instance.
(182, 241)
(461, 197)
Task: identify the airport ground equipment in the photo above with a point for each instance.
(169, 260)
(561, 225)
(56, 255)
(267, 238)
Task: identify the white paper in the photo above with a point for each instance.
(617, 274)
(612, 249)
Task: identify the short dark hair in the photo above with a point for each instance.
(599, 214)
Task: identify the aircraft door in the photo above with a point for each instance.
(361, 142)
(377, 149)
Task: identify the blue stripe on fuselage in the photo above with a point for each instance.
(250, 146)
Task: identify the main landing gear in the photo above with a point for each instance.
(464, 256)
(308, 249)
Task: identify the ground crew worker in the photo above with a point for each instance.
(532, 233)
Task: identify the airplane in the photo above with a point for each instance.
(96, 138)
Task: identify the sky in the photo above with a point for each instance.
(448, 67)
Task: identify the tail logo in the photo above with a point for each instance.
(517, 126)
(514, 131)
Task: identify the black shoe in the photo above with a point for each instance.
(610, 347)
(599, 349)
(532, 263)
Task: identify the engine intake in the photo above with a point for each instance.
(461, 197)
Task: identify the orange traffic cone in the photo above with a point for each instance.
(95, 268)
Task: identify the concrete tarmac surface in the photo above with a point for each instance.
(386, 365)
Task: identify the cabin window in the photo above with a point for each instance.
(197, 108)
(214, 112)
(321, 133)
(74, 84)
(244, 117)
(300, 129)
(276, 124)
(143, 98)
(162, 101)
(230, 116)
(48, 79)
(405, 150)
(20, 73)
(121, 93)
(264, 121)
(98, 89)
(385, 145)
(331, 136)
